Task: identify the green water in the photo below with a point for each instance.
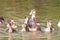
(17, 9)
(32, 36)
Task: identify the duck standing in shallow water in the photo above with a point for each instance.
(11, 23)
(32, 21)
(25, 25)
(49, 27)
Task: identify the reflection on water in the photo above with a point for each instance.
(48, 36)
(36, 36)
(33, 36)
(10, 36)
(30, 36)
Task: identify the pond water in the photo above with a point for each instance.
(37, 36)
(31, 36)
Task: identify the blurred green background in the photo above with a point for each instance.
(17, 9)
(45, 10)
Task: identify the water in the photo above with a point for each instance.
(40, 36)
(36, 36)
(32, 36)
